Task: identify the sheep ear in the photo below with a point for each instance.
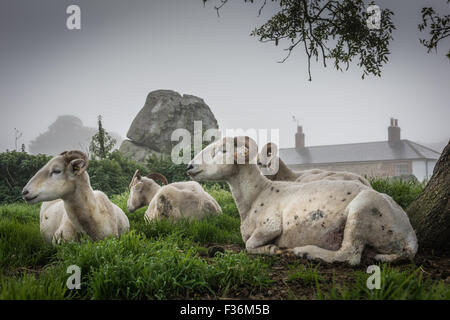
(268, 153)
(269, 157)
(136, 178)
(137, 175)
(77, 167)
(246, 150)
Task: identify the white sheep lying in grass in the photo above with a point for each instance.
(329, 220)
(71, 207)
(177, 200)
(268, 160)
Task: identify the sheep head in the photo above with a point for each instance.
(57, 179)
(142, 189)
(221, 159)
(268, 160)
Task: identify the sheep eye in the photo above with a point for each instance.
(56, 171)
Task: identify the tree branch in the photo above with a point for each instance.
(223, 2)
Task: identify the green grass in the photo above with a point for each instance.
(157, 260)
(21, 244)
(306, 274)
(169, 267)
(30, 287)
(168, 260)
(394, 285)
(221, 229)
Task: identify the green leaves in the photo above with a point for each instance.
(102, 143)
(438, 28)
(334, 30)
(404, 192)
(16, 168)
(331, 30)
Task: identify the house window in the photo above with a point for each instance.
(402, 169)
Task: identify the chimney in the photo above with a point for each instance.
(299, 138)
(394, 131)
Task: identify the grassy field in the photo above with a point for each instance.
(168, 260)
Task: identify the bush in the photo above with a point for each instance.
(402, 191)
(16, 168)
(173, 172)
(176, 172)
(112, 175)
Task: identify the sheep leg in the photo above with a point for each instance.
(65, 232)
(269, 249)
(350, 251)
(389, 257)
(354, 241)
(259, 241)
(371, 219)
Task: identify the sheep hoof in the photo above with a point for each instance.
(213, 251)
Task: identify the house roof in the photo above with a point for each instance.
(358, 152)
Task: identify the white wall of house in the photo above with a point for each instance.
(423, 169)
(419, 169)
(431, 164)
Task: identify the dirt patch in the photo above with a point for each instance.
(432, 267)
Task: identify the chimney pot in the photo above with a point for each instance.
(299, 138)
(394, 131)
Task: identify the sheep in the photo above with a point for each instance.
(177, 200)
(329, 220)
(69, 205)
(267, 160)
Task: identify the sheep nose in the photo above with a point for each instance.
(190, 167)
(25, 192)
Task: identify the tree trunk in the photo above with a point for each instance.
(430, 212)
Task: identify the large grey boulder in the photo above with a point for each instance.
(164, 111)
(136, 151)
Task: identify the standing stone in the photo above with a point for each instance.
(164, 111)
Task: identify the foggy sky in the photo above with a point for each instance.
(126, 49)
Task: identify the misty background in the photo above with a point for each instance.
(126, 49)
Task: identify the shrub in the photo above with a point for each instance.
(112, 175)
(402, 191)
(16, 168)
(173, 172)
